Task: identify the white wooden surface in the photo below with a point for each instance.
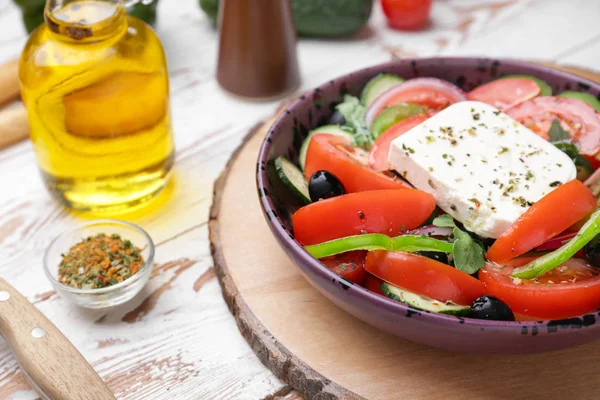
(177, 340)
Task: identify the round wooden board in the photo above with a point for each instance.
(325, 353)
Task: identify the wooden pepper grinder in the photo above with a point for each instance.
(257, 48)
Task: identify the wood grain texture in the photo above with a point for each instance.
(54, 365)
(183, 343)
(325, 353)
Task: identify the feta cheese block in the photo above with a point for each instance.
(483, 168)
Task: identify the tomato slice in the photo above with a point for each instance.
(350, 265)
(349, 164)
(379, 211)
(577, 117)
(373, 283)
(433, 93)
(505, 93)
(424, 276)
(567, 291)
(551, 215)
(378, 156)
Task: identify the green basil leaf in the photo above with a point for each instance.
(571, 150)
(444, 221)
(562, 140)
(557, 133)
(468, 254)
(354, 114)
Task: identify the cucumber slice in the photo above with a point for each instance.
(423, 302)
(293, 178)
(329, 129)
(591, 100)
(378, 85)
(392, 115)
(546, 89)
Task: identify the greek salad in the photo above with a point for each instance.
(475, 204)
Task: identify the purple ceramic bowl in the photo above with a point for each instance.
(438, 330)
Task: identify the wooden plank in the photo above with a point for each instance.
(585, 55)
(543, 29)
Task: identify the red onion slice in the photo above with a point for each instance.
(556, 242)
(538, 113)
(431, 230)
(414, 88)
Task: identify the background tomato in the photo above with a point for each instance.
(567, 291)
(390, 212)
(424, 276)
(407, 14)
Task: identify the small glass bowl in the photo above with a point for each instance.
(112, 295)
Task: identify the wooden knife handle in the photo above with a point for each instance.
(13, 125)
(9, 82)
(53, 364)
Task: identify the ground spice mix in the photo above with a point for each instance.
(100, 261)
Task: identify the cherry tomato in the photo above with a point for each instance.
(432, 93)
(505, 93)
(349, 164)
(594, 162)
(551, 215)
(424, 276)
(406, 14)
(350, 265)
(373, 283)
(391, 212)
(378, 156)
(567, 291)
(578, 118)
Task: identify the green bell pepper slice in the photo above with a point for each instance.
(551, 260)
(378, 241)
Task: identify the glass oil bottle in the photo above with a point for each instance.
(95, 85)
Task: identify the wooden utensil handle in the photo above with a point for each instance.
(9, 81)
(53, 364)
(13, 125)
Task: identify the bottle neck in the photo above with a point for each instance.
(85, 20)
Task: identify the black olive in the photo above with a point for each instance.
(337, 118)
(434, 255)
(490, 307)
(323, 185)
(592, 251)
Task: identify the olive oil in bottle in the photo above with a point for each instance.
(95, 85)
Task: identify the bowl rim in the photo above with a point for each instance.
(283, 236)
(148, 263)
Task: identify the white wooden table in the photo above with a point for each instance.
(177, 340)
